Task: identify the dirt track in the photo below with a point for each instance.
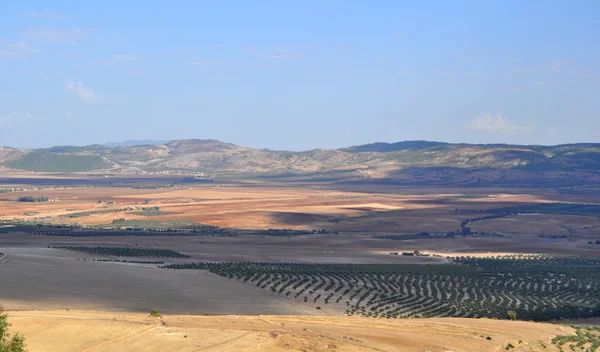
(102, 331)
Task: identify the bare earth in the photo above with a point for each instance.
(61, 330)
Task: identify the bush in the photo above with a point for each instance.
(511, 315)
(16, 343)
(155, 313)
(31, 199)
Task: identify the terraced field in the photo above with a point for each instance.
(535, 288)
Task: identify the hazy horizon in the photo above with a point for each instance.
(299, 76)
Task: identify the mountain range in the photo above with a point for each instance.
(409, 162)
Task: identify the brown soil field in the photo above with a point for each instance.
(266, 206)
(66, 331)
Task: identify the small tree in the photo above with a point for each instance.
(511, 315)
(155, 313)
(16, 343)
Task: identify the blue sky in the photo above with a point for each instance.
(299, 74)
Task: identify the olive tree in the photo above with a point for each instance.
(16, 343)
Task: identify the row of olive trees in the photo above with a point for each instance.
(14, 343)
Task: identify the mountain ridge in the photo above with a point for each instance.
(396, 161)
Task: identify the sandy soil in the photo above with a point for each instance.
(64, 331)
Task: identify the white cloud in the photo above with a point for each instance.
(399, 35)
(48, 15)
(56, 35)
(70, 116)
(127, 57)
(14, 118)
(16, 50)
(486, 122)
(85, 94)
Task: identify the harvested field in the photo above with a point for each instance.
(54, 278)
(104, 331)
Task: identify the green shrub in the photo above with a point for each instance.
(16, 343)
(155, 313)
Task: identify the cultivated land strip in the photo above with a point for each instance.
(537, 288)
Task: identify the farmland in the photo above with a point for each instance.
(126, 252)
(254, 247)
(536, 288)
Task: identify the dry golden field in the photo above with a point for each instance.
(104, 331)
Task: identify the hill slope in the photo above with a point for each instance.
(109, 331)
(411, 163)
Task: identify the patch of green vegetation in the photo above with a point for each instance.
(93, 212)
(14, 343)
(55, 162)
(540, 288)
(389, 147)
(38, 227)
(585, 338)
(155, 313)
(413, 268)
(158, 224)
(126, 252)
(30, 199)
(75, 149)
(153, 212)
(291, 232)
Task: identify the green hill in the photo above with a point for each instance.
(57, 162)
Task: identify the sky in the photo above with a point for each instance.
(299, 75)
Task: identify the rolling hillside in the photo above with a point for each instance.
(407, 163)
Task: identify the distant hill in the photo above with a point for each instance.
(132, 143)
(402, 163)
(390, 147)
(58, 162)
